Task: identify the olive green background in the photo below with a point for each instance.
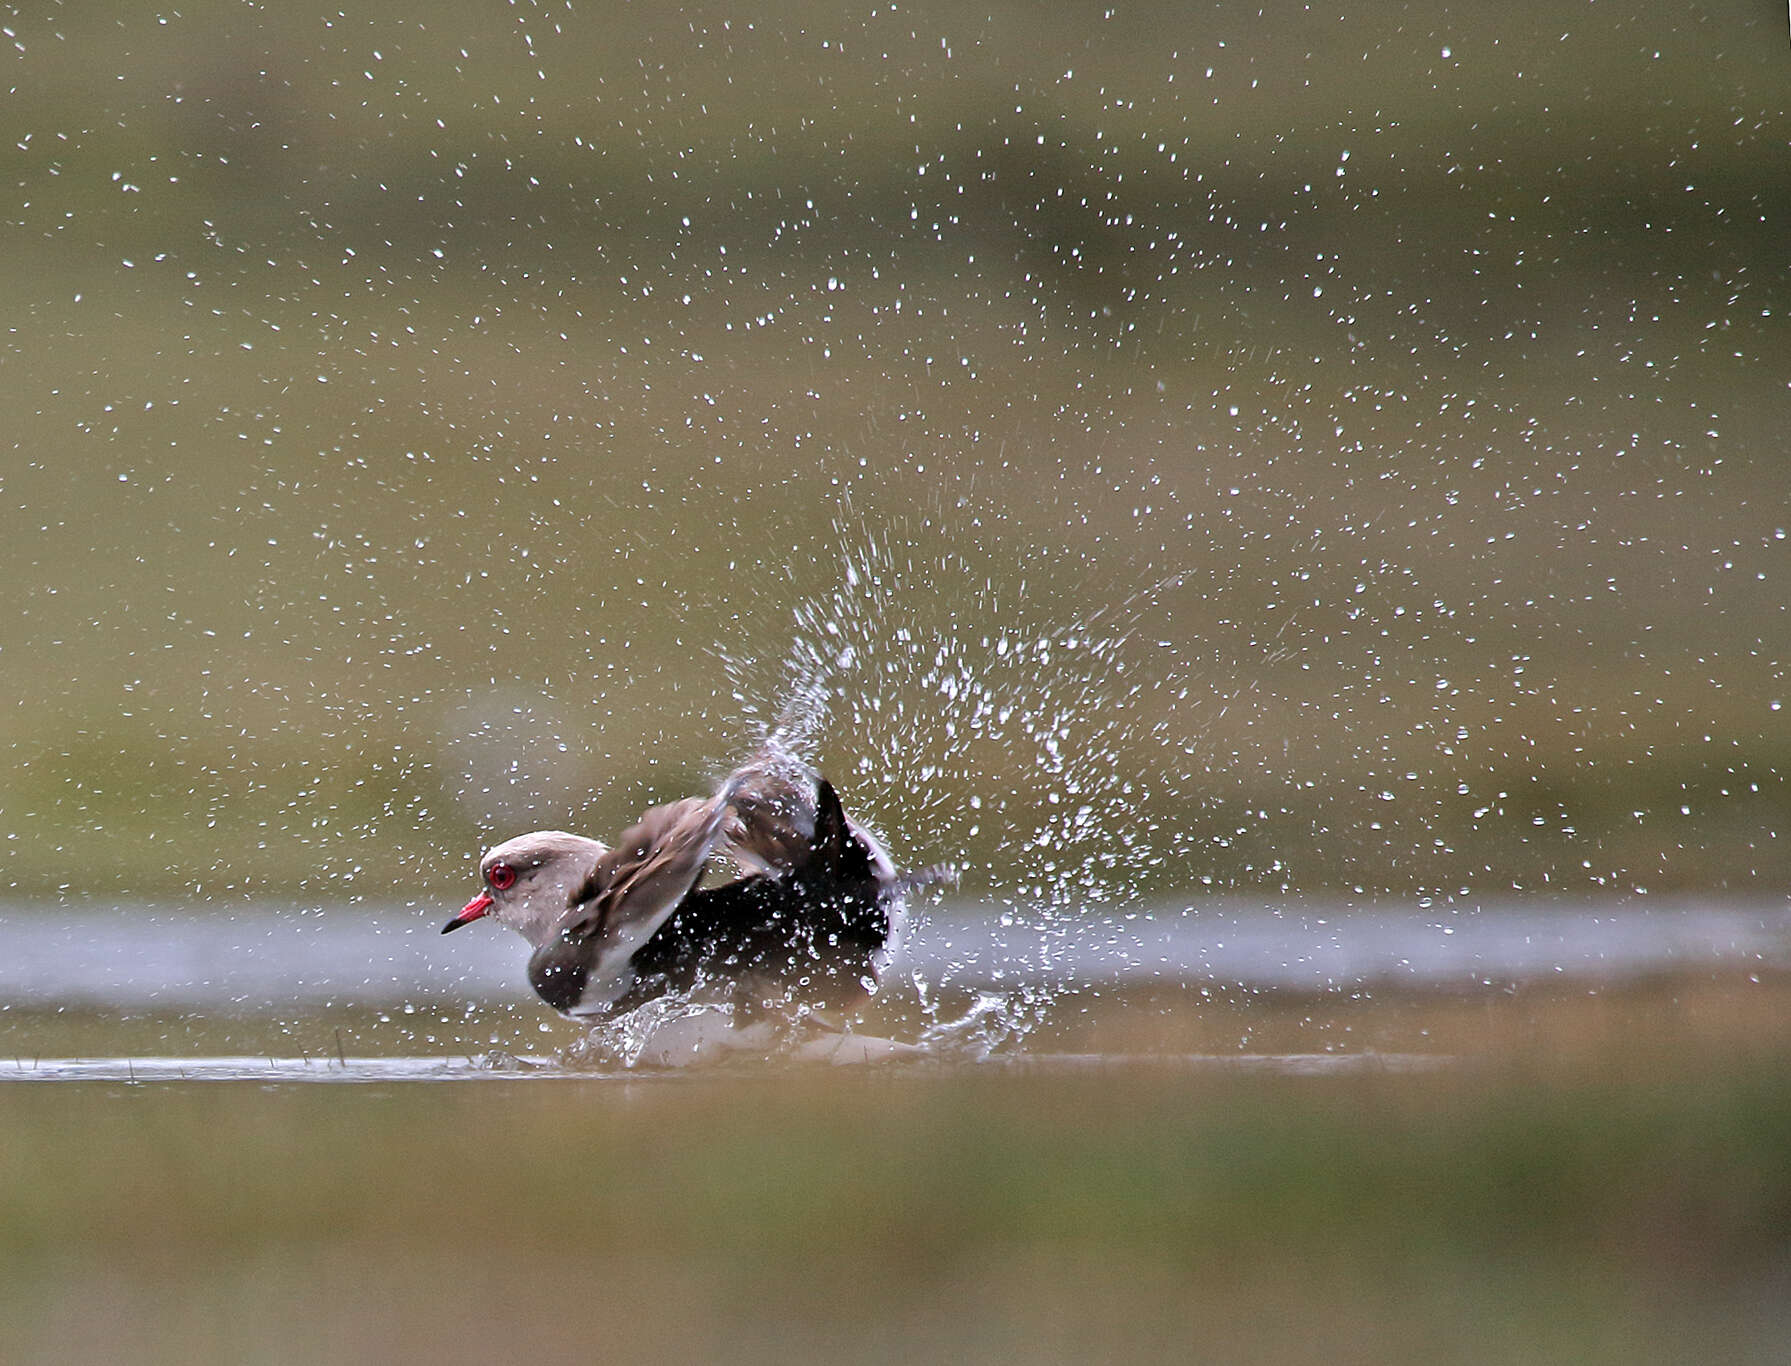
(1208, 451)
(411, 410)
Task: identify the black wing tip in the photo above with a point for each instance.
(839, 850)
(830, 818)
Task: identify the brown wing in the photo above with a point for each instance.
(771, 820)
(634, 886)
(775, 816)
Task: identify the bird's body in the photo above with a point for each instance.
(810, 923)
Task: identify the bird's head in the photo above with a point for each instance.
(529, 882)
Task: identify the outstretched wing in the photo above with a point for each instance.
(784, 815)
(629, 893)
(772, 815)
(633, 887)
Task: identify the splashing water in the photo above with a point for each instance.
(991, 1022)
(990, 723)
(668, 1030)
(995, 721)
(676, 1031)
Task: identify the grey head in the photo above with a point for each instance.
(530, 882)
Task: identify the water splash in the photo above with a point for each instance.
(992, 1021)
(678, 1031)
(996, 716)
(933, 675)
(669, 1030)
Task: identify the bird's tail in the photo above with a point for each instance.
(933, 875)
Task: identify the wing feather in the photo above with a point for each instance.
(633, 887)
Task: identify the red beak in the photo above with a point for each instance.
(478, 906)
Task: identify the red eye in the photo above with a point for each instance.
(501, 876)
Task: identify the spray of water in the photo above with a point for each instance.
(989, 714)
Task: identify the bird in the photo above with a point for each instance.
(810, 922)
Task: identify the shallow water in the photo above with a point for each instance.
(353, 1070)
(153, 994)
(123, 957)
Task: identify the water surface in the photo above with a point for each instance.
(141, 993)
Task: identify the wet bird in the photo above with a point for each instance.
(809, 922)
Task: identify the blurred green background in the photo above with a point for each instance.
(1112, 1215)
(1214, 451)
(408, 406)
